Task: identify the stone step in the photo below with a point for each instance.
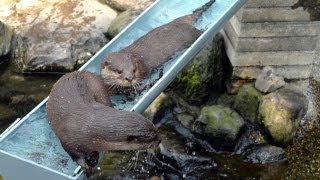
(275, 29)
(270, 3)
(260, 44)
(278, 14)
(278, 58)
(288, 72)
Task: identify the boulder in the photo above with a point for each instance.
(267, 81)
(247, 103)
(6, 34)
(220, 124)
(281, 113)
(57, 36)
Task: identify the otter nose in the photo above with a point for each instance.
(129, 77)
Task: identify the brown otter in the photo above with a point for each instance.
(80, 115)
(130, 65)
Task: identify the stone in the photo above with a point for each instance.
(281, 112)
(274, 29)
(267, 81)
(247, 103)
(272, 14)
(121, 21)
(219, 124)
(6, 114)
(123, 5)
(205, 73)
(186, 120)
(262, 44)
(252, 137)
(157, 107)
(6, 35)
(53, 38)
(266, 154)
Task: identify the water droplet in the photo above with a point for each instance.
(98, 168)
(194, 153)
(184, 175)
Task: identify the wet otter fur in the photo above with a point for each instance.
(80, 114)
(127, 67)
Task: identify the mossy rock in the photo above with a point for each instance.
(247, 102)
(281, 113)
(204, 75)
(221, 124)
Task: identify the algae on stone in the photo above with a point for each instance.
(281, 113)
(247, 102)
(218, 121)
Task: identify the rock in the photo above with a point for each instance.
(204, 75)
(57, 36)
(281, 113)
(267, 81)
(226, 100)
(6, 34)
(158, 106)
(185, 119)
(122, 5)
(131, 9)
(247, 103)
(121, 21)
(220, 124)
(266, 154)
(251, 137)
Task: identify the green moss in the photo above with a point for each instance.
(221, 121)
(190, 78)
(304, 157)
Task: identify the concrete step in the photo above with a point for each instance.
(278, 14)
(275, 29)
(270, 3)
(261, 44)
(267, 58)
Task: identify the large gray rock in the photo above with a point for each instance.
(57, 35)
(221, 124)
(5, 41)
(281, 113)
(268, 81)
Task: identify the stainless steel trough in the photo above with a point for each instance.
(30, 150)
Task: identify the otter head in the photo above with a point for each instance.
(122, 69)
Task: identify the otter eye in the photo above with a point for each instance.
(119, 71)
(131, 138)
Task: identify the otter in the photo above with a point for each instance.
(80, 114)
(127, 67)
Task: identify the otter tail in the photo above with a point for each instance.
(198, 12)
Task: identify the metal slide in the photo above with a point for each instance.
(30, 150)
